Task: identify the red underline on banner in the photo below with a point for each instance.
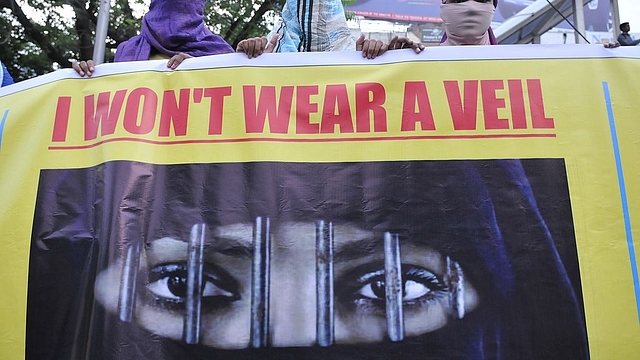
(304, 140)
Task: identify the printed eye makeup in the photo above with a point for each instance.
(226, 273)
(363, 288)
(167, 287)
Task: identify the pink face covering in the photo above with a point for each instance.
(467, 23)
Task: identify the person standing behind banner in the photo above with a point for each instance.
(171, 29)
(317, 26)
(461, 29)
(469, 23)
(624, 38)
(5, 77)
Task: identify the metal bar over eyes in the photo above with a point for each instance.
(260, 280)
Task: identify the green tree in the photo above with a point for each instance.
(41, 35)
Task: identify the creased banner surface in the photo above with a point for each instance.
(461, 203)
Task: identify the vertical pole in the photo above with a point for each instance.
(324, 284)
(102, 27)
(393, 287)
(260, 283)
(615, 13)
(578, 16)
(195, 267)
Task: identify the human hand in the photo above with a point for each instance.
(83, 68)
(405, 43)
(370, 48)
(611, 45)
(176, 60)
(255, 47)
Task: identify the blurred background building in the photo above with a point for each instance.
(515, 21)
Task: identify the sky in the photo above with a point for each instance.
(630, 12)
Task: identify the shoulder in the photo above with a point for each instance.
(5, 77)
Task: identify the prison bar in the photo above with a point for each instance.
(260, 279)
(455, 282)
(393, 287)
(195, 267)
(128, 282)
(260, 283)
(324, 284)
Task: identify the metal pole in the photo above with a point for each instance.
(102, 27)
(615, 13)
(578, 16)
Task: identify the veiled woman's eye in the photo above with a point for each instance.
(362, 289)
(167, 286)
(416, 284)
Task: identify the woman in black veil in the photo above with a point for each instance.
(480, 272)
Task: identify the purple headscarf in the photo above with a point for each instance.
(171, 27)
(492, 37)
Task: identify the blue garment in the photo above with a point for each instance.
(626, 40)
(309, 26)
(5, 78)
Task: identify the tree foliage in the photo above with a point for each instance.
(41, 35)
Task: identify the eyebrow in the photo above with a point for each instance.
(358, 248)
(371, 245)
(221, 244)
(230, 246)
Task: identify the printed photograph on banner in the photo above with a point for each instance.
(447, 259)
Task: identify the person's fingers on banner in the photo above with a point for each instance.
(380, 48)
(255, 47)
(272, 44)
(360, 43)
(83, 68)
(176, 60)
(405, 43)
(370, 48)
(248, 47)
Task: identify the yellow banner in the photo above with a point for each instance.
(559, 123)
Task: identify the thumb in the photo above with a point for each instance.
(272, 43)
(360, 42)
(240, 47)
(392, 43)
